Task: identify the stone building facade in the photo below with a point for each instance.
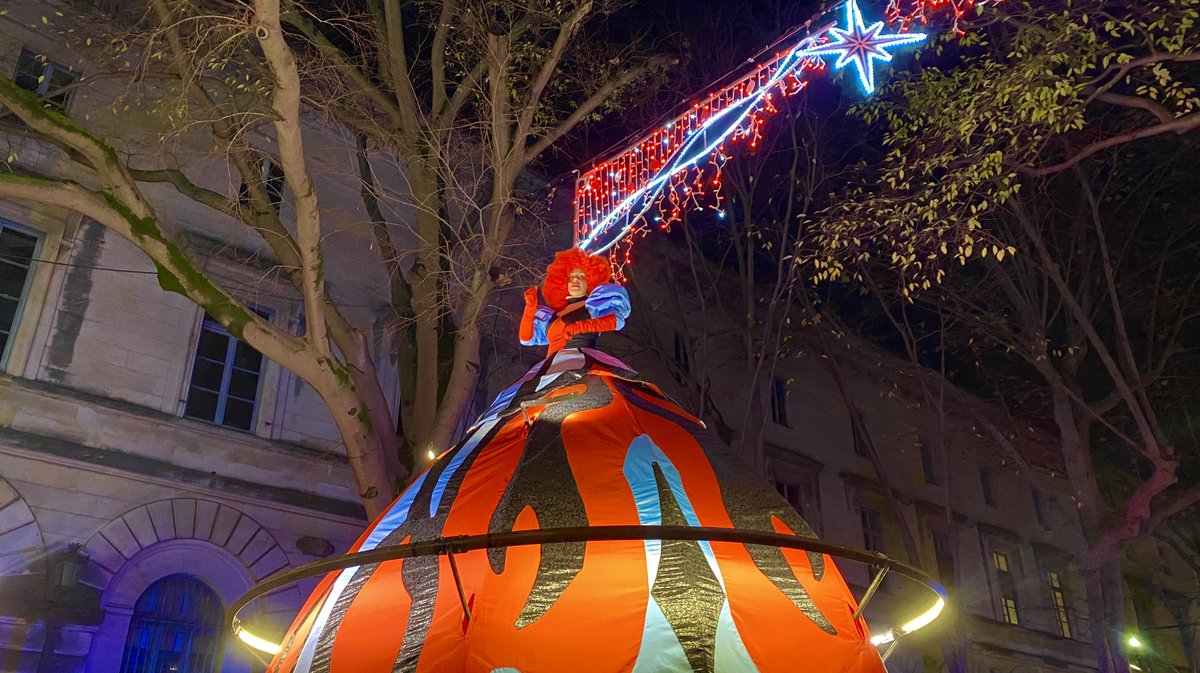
(136, 504)
(153, 467)
(1009, 555)
(994, 522)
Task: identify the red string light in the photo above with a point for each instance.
(601, 190)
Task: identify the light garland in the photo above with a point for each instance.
(907, 13)
(677, 166)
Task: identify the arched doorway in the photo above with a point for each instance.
(217, 544)
(175, 628)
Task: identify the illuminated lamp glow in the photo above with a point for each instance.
(260, 644)
(921, 621)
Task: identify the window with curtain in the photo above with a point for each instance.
(17, 250)
(928, 463)
(802, 491)
(779, 402)
(943, 553)
(986, 487)
(1006, 586)
(872, 525)
(1059, 596)
(176, 628)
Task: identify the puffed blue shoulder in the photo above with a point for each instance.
(606, 299)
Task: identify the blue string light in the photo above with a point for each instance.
(699, 145)
(612, 199)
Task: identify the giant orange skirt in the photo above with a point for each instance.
(582, 441)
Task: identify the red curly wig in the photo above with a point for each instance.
(554, 289)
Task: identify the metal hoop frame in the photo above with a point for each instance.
(449, 546)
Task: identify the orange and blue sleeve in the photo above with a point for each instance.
(609, 307)
(609, 299)
(534, 322)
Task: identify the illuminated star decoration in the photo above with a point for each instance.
(861, 45)
(677, 166)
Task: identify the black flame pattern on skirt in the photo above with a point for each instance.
(685, 587)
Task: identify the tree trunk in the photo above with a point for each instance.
(1104, 600)
(427, 308)
(377, 412)
(753, 444)
(1113, 585)
(464, 374)
(365, 451)
(357, 404)
(1103, 642)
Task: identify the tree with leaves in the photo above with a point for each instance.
(1035, 190)
(463, 96)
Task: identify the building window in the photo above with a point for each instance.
(985, 486)
(928, 467)
(943, 553)
(176, 627)
(40, 75)
(872, 525)
(791, 493)
(681, 352)
(225, 378)
(272, 179)
(17, 252)
(779, 396)
(1007, 587)
(1039, 506)
(1059, 597)
(803, 495)
(859, 441)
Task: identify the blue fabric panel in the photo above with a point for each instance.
(606, 299)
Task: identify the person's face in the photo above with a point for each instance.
(577, 283)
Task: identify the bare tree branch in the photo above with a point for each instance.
(570, 25)
(285, 103)
(592, 102)
(1179, 126)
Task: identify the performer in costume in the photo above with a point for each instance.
(582, 304)
(582, 440)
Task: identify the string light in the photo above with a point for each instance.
(677, 167)
(906, 13)
(669, 169)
